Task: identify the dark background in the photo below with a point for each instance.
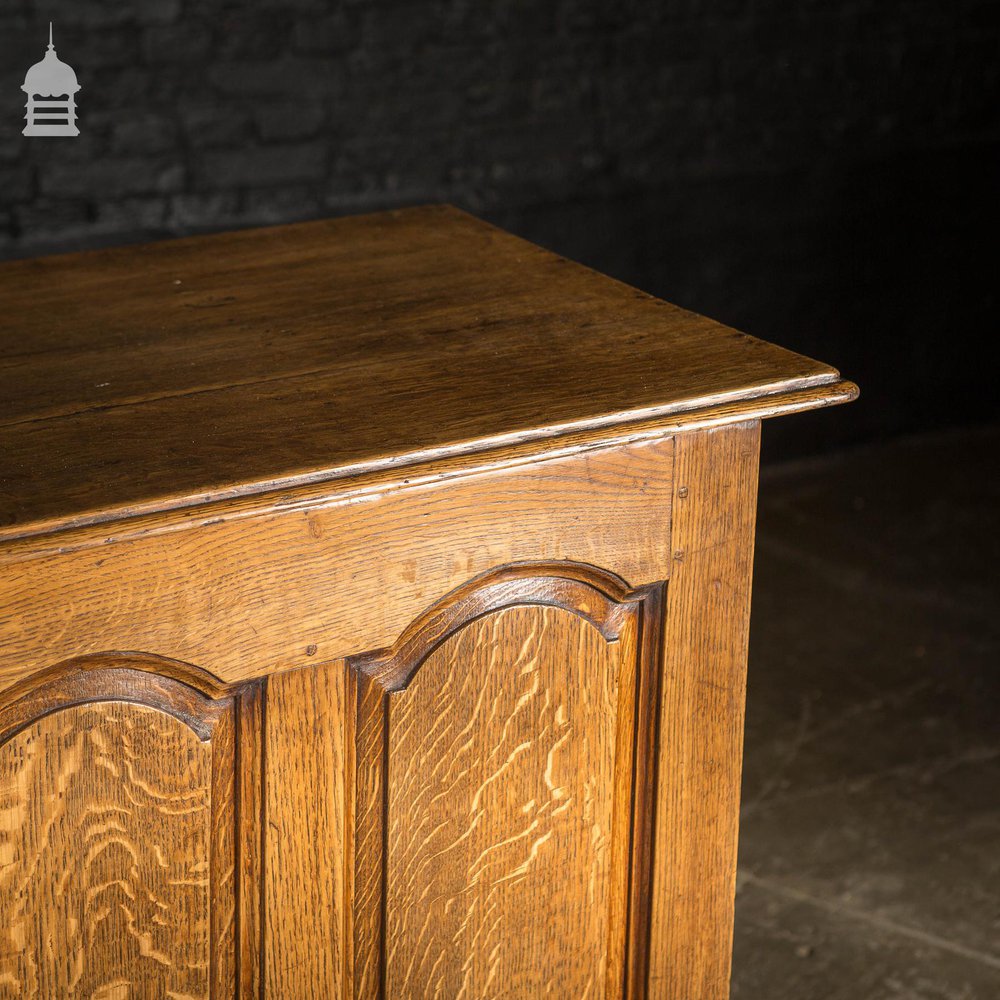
(820, 174)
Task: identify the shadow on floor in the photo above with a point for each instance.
(870, 839)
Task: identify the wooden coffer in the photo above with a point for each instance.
(373, 612)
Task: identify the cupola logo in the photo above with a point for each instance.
(51, 87)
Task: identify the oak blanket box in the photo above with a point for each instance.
(374, 600)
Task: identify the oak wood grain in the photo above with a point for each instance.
(252, 838)
(116, 831)
(365, 967)
(227, 820)
(174, 373)
(306, 865)
(701, 714)
(122, 830)
(192, 696)
(37, 539)
(498, 822)
(96, 893)
(298, 586)
(500, 840)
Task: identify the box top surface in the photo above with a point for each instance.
(156, 377)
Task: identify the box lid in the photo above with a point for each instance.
(156, 377)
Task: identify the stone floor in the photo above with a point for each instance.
(870, 840)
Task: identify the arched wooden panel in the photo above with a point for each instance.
(119, 841)
(504, 752)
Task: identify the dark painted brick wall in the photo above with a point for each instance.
(823, 174)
